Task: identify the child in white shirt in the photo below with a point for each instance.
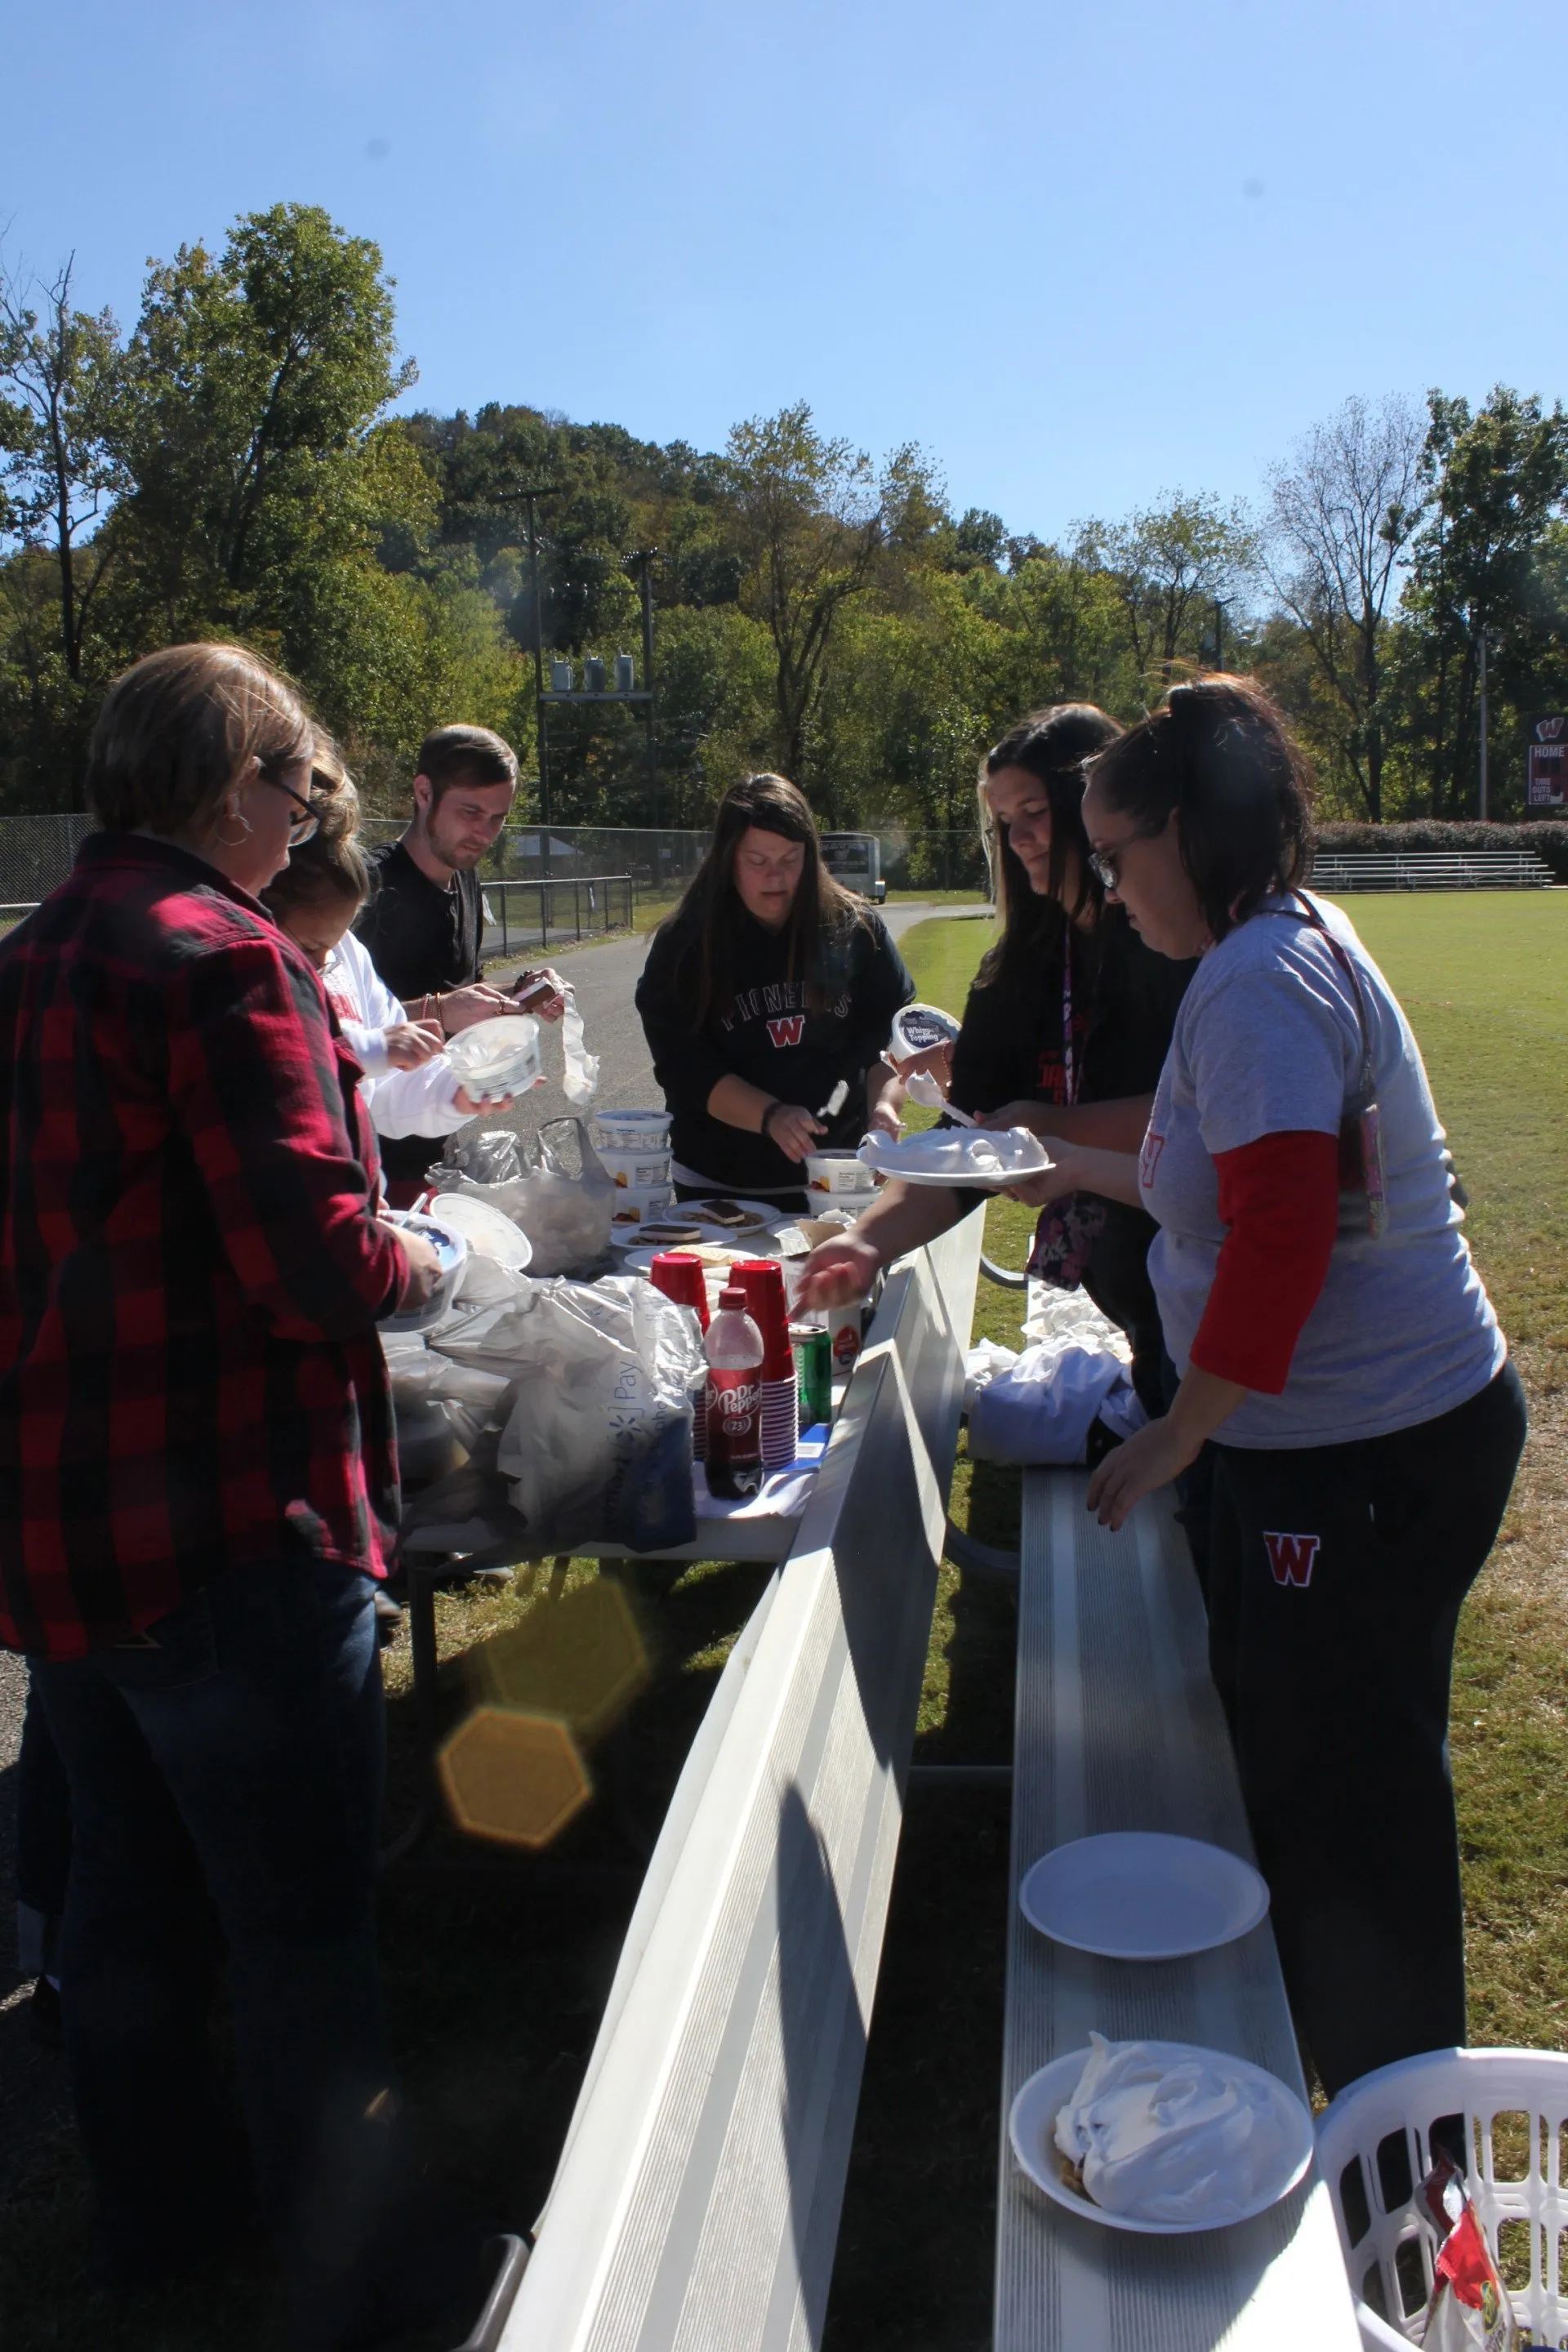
(409, 1087)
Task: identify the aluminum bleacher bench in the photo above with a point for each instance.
(697, 2201)
(1118, 1726)
(1477, 870)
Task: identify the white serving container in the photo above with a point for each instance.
(453, 1251)
(633, 1130)
(637, 1206)
(642, 1170)
(837, 1171)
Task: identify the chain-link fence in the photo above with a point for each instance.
(36, 852)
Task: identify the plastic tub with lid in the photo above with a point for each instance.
(453, 1251)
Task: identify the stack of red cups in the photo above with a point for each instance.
(762, 1279)
(679, 1274)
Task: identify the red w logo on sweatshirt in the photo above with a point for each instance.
(789, 1031)
(1292, 1558)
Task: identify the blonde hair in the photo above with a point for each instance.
(182, 726)
(330, 868)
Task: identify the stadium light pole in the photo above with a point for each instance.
(1483, 779)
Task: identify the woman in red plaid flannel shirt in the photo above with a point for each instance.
(199, 1486)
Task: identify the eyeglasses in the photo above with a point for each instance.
(1105, 865)
(302, 825)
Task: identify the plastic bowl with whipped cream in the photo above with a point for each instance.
(1160, 2137)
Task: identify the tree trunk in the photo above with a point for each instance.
(69, 636)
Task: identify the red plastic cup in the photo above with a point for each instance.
(762, 1279)
(679, 1274)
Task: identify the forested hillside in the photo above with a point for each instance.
(229, 464)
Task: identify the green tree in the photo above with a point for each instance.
(1169, 562)
(1488, 566)
(254, 378)
(1342, 517)
(60, 371)
(813, 520)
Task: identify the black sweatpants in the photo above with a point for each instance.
(1336, 1578)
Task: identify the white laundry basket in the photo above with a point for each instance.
(1374, 2149)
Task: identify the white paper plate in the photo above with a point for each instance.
(1032, 2122)
(688, 1213)
(640, 1261)
(1135, 1894)
(1026, 1157)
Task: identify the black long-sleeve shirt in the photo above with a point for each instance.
(1125, 1002)
(763, 1030)
(1011, 1048)
(424, 940)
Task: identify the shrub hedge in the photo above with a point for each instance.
(1548, 838)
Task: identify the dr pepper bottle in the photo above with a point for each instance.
(735, 1398)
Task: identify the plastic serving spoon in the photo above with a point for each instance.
(921, 1087)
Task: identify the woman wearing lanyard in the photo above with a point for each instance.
(1066, 1028)
(768, 996)
(1336, 1342)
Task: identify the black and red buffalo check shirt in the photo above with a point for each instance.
(190, 1269)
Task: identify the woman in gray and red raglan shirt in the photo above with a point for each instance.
(197, 1478)
(1336, 1345)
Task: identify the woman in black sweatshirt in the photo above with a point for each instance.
(1066, 1030)
(767, 986)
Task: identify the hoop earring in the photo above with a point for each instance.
(244, 830)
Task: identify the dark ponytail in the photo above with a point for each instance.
(1220, 756)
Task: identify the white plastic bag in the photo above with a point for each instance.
(598, 1441)
(580, 1078)
(565, 1213)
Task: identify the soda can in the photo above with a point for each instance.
(814, 1368)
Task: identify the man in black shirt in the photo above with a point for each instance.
(424, 923)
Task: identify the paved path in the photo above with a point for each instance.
(605, 978)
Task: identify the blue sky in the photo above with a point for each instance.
(1082, 253)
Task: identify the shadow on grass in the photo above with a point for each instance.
(495, 1970)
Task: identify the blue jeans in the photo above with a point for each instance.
(224, 1768)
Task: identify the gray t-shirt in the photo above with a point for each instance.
(1268, 1042)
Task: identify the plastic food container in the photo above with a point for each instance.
(499, 1056)
(639, 1171)
(919, 1028)
(637, 1206)
(634, 1130)
(837, 1171)
(453, 1251)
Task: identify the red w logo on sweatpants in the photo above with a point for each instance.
(789, 1031)
(1292, 1558)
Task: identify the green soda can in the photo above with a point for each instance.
(813, 1370)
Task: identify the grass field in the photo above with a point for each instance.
(494, 1984)
(1483, 978)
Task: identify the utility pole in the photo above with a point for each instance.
(1483, 698)
(643, 558)
(1219, 604)
(528, 495)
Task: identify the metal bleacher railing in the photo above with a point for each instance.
(1432, 869)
